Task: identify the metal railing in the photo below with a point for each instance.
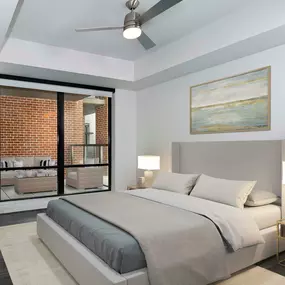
(91, 153)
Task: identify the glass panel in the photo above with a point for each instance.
(28, 138)
(86, 129)
(86, 179)
(89, 154)
(28, 127)
(28, 183)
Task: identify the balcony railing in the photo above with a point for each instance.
(91, 153)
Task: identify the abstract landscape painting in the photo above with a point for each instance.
(236, 104)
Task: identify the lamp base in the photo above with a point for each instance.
(148, 178)
(141, 182)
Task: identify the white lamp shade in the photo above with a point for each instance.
(149, 162)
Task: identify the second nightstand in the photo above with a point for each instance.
(134, 187)
(280, 236)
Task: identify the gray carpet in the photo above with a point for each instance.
(11, 219)
(4, 274)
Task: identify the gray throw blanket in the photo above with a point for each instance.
(180, 247)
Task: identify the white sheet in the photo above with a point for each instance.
(235, 225)
(264, 216)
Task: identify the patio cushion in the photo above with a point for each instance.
(8, 174)
(27, 160)
(37, 159)
(8, 158)
(72, 175)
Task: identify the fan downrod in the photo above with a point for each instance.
(132, 4)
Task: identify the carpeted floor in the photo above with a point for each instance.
(28, 260)
(12, 219)
(4, 274)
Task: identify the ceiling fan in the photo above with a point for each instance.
(134, 21)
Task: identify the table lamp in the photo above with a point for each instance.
(148, 163)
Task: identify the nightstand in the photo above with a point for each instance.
(134, 187)
(280, 237)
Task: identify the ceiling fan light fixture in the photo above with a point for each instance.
(133, 21)
(132, 32)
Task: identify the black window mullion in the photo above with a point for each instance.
(28, 168)
(60, 143)
(110, 142)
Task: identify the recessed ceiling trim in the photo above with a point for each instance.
(55, 83)
(51, 88)
(12, 22)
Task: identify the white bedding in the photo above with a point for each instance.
(235, 225)
(264, 216)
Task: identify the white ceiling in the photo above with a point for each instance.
(53, 22)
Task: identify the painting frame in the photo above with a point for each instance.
(266, 128)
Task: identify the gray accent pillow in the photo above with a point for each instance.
(259, 198)
(229, 192)
(175, 182)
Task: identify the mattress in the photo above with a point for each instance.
(265, 216)
(111, 244)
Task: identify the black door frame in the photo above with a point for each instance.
(60, 143)
(60, 134)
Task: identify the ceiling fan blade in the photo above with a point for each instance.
(145, 41)
(157, 9)
(98, 29)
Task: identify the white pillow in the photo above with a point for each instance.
(26, 173)
(30, 173)
(7, 163)
(20, 173)
(260, 198)
(18, 163)
(230, 192)
(175, 182)
(52, 162)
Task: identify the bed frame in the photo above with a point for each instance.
(233, 160)
(237, 160)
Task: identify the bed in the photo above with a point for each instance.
(265, 216)
(88, 260)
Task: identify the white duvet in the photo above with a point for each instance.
(238, 228)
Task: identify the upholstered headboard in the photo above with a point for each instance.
(238, 160)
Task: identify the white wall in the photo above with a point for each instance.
(124, 141)
(8, 7)
(163, 110)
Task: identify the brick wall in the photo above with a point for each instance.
(73, 131)
(102, 128)
(28, 127)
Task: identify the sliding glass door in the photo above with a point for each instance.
(86, 143)
(53, 143)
